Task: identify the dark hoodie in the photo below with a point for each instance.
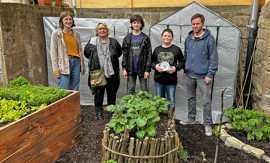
(201, 57)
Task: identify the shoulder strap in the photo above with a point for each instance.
(88, 43)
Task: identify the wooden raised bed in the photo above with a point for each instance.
(148, 150)
(43, 135)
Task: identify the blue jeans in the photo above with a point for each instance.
(169, 90)
(205, 90)
(71, 81)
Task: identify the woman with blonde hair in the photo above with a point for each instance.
(104, 54)
(66, 53)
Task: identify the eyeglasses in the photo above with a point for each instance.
(104, 29)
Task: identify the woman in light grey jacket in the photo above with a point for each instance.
(66, 53)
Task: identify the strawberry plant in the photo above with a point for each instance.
(139, 113)
(255, 123)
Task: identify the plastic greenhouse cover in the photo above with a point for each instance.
(228, 43)
(228, 40)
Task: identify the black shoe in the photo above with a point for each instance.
(100, 116)
(99, 113)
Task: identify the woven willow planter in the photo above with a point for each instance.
(148, 150)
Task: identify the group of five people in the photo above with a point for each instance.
(199, 62)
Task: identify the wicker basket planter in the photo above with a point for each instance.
(43, 135)
(148, 150)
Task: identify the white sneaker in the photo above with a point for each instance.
(208, 130)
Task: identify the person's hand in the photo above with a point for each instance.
(171, 70)
(146, 75)
(158, 68)
(57, 75)
(83, 71)
(207, 80)
(124, 74)
(184, 75)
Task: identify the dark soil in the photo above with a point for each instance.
(89, 150)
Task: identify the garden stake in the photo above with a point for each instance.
(220, 122)
(115, 138)
(138, 149)
(153, 143)
(110, 146)
(176, 143)
(144, 148)
(105, 140)
(162, 146)
(123, 145)
(117, 148)
(172, 146)
(158, 149)
(166, 159)
(130, 150)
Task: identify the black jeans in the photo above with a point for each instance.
(111, 89)
(131, 83)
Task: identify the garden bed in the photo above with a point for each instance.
(89, 148)
(44, 135)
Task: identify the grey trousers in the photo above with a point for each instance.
(131, 83)
(205, 90)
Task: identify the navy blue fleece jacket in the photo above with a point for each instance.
(201, 57)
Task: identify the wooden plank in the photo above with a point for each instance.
(39, 145)
(41, 129)
(45, 124)
(19, 127)
(48, 150)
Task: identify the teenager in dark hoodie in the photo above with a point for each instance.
(137, 53)
(167, 59)
(201, 64)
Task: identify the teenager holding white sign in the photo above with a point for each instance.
(167, 59)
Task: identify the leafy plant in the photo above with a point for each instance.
(13, 110)
(34, 95)
(139, 113)
(22, 98)
(215, 131)
(20, 81)
(203, 154)
(255, 123)
(183, 154)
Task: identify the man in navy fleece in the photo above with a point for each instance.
(201, 64)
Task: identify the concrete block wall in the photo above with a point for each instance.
(261, 68)
(23, 42)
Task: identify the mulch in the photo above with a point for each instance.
(89, 149)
